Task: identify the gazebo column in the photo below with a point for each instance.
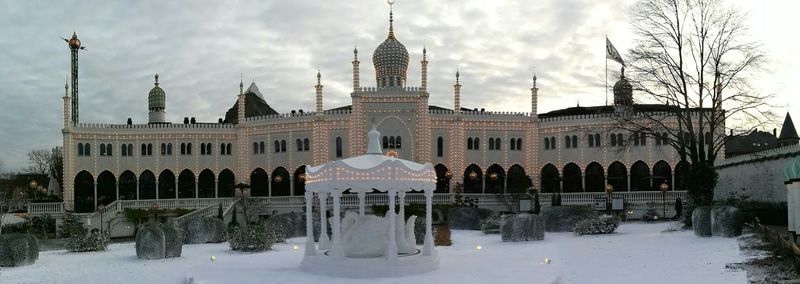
(427, 248)
(402, 204)
(310, 249)
(337, 225)
(361, 196)
(324, 242)
(391, 248)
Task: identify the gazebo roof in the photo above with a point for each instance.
(373, 170)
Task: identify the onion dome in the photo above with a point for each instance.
(390, 60)
(623, 91)
(157, 99)
(74, 42)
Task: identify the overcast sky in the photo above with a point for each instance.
(199, 49)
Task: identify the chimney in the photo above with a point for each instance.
(775, 132)
(130, 121)
(193, 120)
(185, 120)
(220, 120)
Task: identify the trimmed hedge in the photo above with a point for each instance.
(94, 241)
(491, 225)
(203, 230)
(18, 250)
(157, 241)
(467, 218)
(603, 224)
(701, 221)
(251, 238)
(564, 218)
(521, 227)
(726, 221)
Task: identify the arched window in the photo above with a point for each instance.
(391, 142)
(261, 147)
(707, 138)
(150, 149)
(519, 144)
(613, 140)
(552, 142)
(574, 141)
(477, 142)
(228, 149)
(591, 140)
(102, 149)
(546, 143)
(87, 149)
(385, 142)
(188, 148)
(163, 149)
(512, 145)
(277, 146)
(169, 149)
(397, 143)
(306, 144)
(498, 145)
(469, 143)
(338, 147)
(491, 144)
(222, 148)
(124, 149)
(620, 140)
(597, 140)
(439, 146)
(109, 150)
(208, 148)
(144, 149)
(255, 147)
(299, 145)
(283, 145)
(567, 142)
(80, 149)
(642, 139)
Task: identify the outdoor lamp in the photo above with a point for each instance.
(33, 184)
(473, 175)
(664, 187)
(278, 179)
(448, 175)
(493, 176)
(609, 188)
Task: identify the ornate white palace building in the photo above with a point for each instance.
(568, 150)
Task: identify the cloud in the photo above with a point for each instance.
(200, 48)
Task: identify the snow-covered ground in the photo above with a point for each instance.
(637, 253)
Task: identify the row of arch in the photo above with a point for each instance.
(107, 188)
(494, 180)
(594, 177)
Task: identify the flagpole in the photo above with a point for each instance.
(606, 80)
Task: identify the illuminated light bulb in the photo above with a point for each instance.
(546, 260)
(478, 247)
(213, 258)
(295, 247)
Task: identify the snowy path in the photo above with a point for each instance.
(637, 253)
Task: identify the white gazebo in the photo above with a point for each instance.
(362, 174)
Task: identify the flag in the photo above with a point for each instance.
(611, 53)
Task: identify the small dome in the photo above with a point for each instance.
(74, 42)
(156, 100)
(623, 91)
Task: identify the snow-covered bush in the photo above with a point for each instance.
(466, 218)
(278, 230)
(251, 237)
(71, 226)
(157, 241)
(203, 230)
(291, 224)
(173, 240)
(521, 227)
(726, 221)
(150, 242)
(94, 241)
(419, 230)
(18, 250)
(491, 225)
(563, 218)
(701, 221)
(603, 224)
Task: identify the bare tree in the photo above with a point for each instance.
(693, 57)
(56, 166)
(39, 161)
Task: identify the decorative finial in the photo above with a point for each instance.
(424, 51)
(458, 74)
(319, 77)
(534, 80)
(622, 72)
(156, 79)
(391, 18)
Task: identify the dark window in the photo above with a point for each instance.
(397, 143)
(283, 145)
(188, 148)
(498, 145)
(255, 147)
(87, 149)
(546, 143)
(124, 150)
(591, 140)
(707, 138)
(261, 147)
(102, 149)
(513, 144)
(169, 149)
(552, 142)
(477, 142)
(228, 149)
(519, 144)
(277, 146)
(439, 147)
(144, 150)
(620, 140)
(109, 150)
(469, 143)
(491, 144)
(597, 140)
(391, 142)
(338, 147)
(567, 142)
(299, 145)
(163, 149)
(149, 149)
(574, 141)
(385, 142)
(306, 144)
(222, 148)
(80, 149)
(642, 138)
(208, 148)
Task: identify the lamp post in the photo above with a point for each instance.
(33, 184)
(609, 190)
(101, 209)
(243, 192)
(154, 208)
(664, 187)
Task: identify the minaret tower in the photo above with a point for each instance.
(240, 110)
(424, 72)
(534, 97)
(67, 105)
(356, 78)
(156, 103)
(457, 95)
(318, 88)
(74, 45)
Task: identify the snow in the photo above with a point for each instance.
(636, 253)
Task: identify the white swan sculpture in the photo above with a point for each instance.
(367, 236)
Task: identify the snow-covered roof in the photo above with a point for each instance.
(371, 171)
